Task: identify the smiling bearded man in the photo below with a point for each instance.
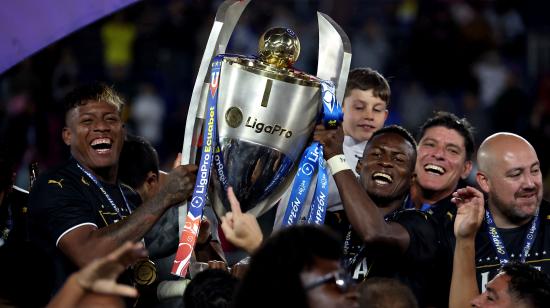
(383, 239)
(517, 219)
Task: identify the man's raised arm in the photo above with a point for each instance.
(365, 217)
(469, 216)
(85, 243)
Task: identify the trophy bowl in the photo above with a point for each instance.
(266, 114)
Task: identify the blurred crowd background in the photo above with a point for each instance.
(488, 61)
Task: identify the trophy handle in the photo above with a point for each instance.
(334, 54)
(227, 16)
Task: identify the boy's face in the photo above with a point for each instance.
(363, 114)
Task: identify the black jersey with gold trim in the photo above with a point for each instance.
(411, 267)
(63, 199)
(487, 262)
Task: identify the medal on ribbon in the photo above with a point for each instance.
(145, 272)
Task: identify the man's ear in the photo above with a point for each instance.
(152, 179)
(482, 181)
(467, 169)
(66, 135)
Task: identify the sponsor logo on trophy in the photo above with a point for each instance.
(256, 116)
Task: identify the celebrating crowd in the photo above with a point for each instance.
(418, 214)
(400, 215)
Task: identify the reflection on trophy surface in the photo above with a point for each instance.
(266, 109)
(266, 114)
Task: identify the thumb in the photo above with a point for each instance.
(178, 160)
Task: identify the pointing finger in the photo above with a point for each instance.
(235, 205)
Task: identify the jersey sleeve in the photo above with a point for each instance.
(57, 206)
(423, 238)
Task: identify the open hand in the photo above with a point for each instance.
(470, 204)
(101, 275)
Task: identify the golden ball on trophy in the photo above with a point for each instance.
(279, 47)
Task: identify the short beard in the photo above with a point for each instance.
(511, 213)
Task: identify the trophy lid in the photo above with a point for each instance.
(279, 49)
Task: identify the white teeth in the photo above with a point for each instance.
(101, 141)
(386, 178)
(434, 168)
(102, 151)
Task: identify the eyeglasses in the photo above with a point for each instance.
(341, 278)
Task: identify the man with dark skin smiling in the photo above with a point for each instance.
(79, 212)
(383, 239)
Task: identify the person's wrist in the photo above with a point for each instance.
(465, 240)
(164, 199)
(257, 243)
(253, 245)
(80, 283)
(337, 163)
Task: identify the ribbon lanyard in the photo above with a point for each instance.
(210, 152)
(312, 160)
(111, 201)
(498, 244)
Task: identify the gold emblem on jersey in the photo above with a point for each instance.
(56, 182)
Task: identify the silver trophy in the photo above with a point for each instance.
(266, 109)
